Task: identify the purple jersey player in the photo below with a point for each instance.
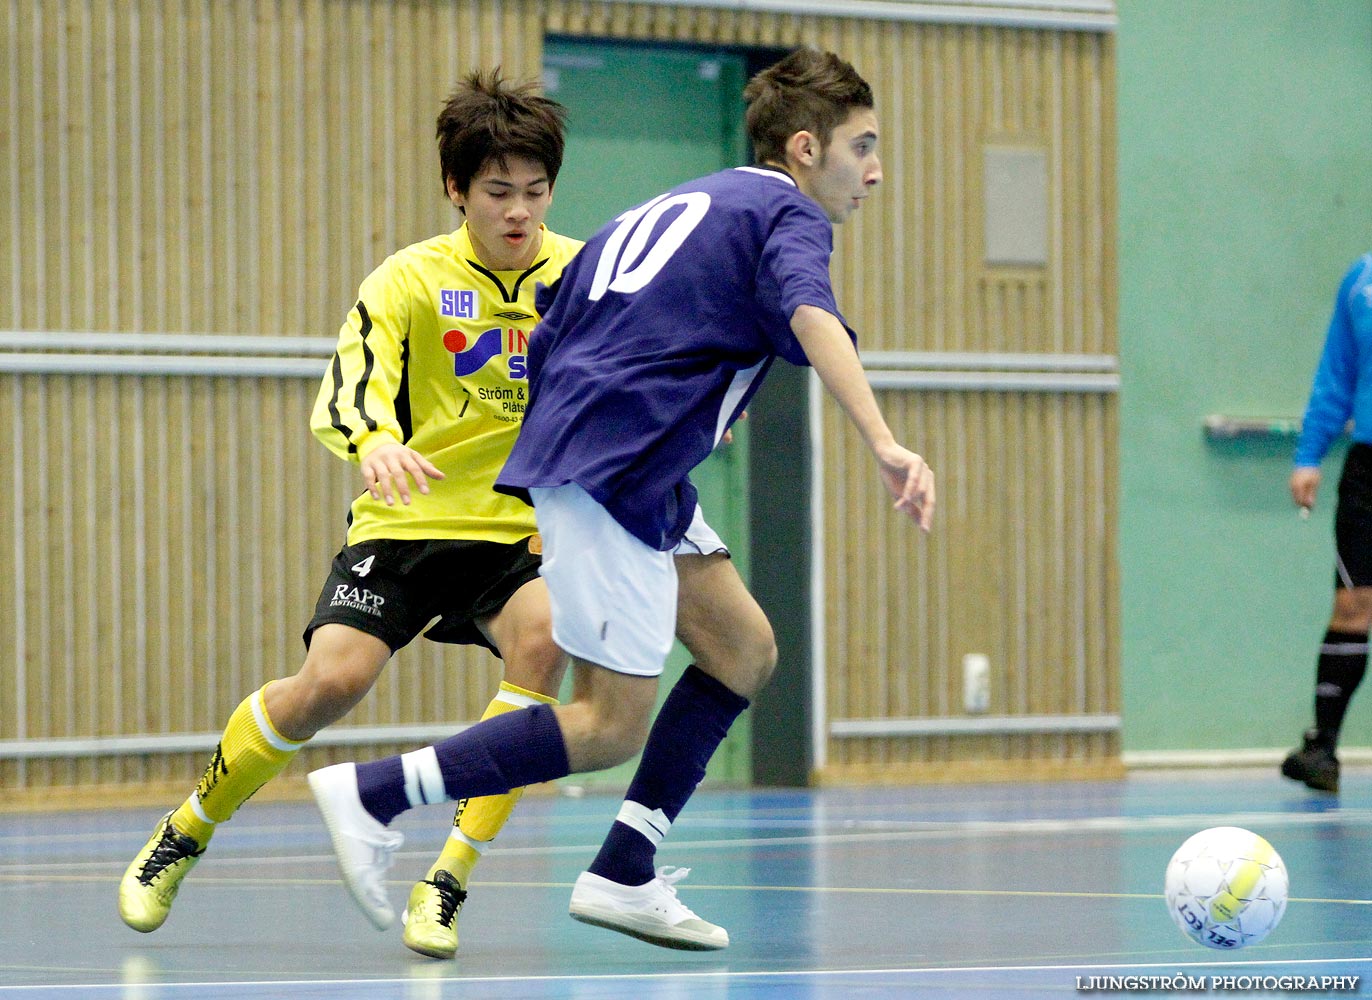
(658, 334)
(661, 331)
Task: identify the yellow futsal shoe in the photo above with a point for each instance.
(431, 918)
(150, 884)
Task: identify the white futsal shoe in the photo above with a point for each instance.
(649, 912)
(364, 846)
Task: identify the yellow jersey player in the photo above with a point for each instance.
(427, 389)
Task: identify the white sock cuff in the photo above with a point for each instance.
(477, 845)
(199, 810)
(516, 699)
(652, 823)
(264, 726)
(1343, 648)
(423, 777)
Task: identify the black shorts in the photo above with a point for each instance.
(392, 589)
(1353, 520)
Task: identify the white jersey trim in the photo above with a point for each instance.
(765, 172)
(743, 380)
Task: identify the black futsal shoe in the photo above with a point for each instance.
(1314, 763)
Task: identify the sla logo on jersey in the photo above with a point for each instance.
(459, 303)
(470, 355)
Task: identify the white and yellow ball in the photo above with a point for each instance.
(1226, 888)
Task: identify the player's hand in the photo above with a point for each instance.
(388, 469)
(1305, 483)
(728, 436)
(907, 478)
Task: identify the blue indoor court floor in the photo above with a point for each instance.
(934, 891)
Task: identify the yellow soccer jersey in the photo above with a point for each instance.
(433, 356)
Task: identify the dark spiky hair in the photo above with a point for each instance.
(487, 119)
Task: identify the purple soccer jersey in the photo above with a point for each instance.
(658, 335)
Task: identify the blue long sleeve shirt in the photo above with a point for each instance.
(1343, 380)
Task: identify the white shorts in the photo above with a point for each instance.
(613, 598)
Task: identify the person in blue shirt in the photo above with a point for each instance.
(651, 344)
(1342, 390)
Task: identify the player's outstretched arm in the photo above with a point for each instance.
(388, 468)
(904, 474)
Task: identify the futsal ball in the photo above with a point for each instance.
(1226, 888)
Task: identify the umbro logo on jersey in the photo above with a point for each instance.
(513, 315)
(459, 303)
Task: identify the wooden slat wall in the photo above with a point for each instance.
(1021, 566)
(187, 167)
(238, 166)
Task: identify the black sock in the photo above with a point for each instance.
(1343, 661)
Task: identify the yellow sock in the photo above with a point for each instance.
(478, 820)
(250, 753)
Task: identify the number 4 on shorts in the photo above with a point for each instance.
(365, 566)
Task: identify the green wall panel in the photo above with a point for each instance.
(1244, 150)
(642, 119)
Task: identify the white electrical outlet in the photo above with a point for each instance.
(976, 683)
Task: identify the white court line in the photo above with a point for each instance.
(1064, 824)
(813, 890)
(858, 833)
(1248, 966)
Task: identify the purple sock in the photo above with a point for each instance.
(381, 787)
(694, 719)
(504, 752)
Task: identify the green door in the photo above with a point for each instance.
(641, 119)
